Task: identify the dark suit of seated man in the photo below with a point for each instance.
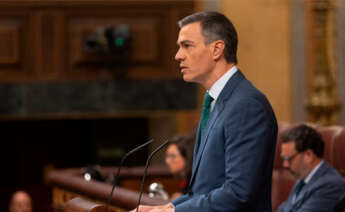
(318, 185)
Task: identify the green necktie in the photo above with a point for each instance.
(206, 110)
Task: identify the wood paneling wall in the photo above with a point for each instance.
(41, 44)
(43, 39)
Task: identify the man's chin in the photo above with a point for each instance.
(188, 79)
(294, 174)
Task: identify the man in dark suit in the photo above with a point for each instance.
(318, 185)
(235, 144)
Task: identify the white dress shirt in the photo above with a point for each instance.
(218, 86)
(311, 174)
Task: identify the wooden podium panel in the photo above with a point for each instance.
(69, 184)
(81, 205)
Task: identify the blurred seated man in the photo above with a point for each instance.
(318, 185)
(20, 202)
(179, 158)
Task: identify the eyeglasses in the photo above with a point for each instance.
(171, 156)
(289, 158)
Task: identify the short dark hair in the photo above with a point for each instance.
(305, 138)
(216, 26)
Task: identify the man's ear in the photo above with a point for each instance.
(218, 49)
(310, 155)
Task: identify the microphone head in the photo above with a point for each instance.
(156, 190)
(93, 173)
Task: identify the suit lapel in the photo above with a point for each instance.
(196, 147)
(297, 201)
(306, 190)
(203, 140)
(218, 108)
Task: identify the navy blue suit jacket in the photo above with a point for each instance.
(319, 195)
(232, 167)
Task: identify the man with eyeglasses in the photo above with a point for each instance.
(318, 186)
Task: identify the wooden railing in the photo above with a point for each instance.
(69, 183)
(81, 205)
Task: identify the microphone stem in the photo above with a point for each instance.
(145, 171)
(119, 169)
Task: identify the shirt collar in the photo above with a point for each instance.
(218, 86)
(311, 174)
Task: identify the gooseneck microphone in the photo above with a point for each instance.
(119, 169)
(145, 170)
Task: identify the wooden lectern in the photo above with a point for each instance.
(68, 184)
(81, 205)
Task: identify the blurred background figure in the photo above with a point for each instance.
(20, 202)
(179, 158)
(318, 186)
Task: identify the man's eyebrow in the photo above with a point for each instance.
(184, 42)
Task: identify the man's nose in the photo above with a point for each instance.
(179, 55)
(286, 164)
